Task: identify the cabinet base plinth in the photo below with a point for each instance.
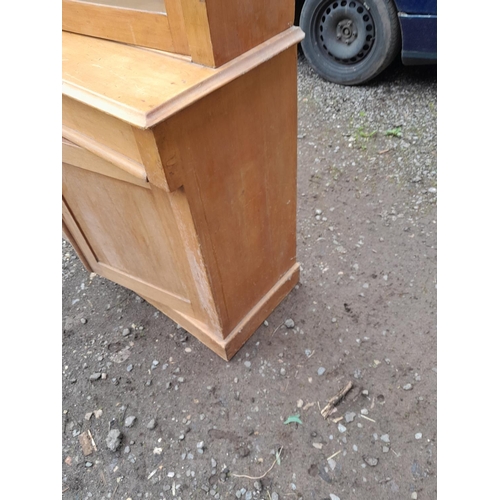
(227, 347)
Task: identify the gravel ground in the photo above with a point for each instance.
(150, 413)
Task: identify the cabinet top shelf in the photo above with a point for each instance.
(144, 87)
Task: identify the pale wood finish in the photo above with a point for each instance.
(146, 86)
(204, 226)
(100, 128)
(212, 32)
(227, 29)
(198, 32)
(240, 180)
(123, 227)
(146, 29)
(228, 347)
(83, 158)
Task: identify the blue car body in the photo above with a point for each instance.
(418, 21)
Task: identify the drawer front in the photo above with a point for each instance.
(72, 154)
(80, 119)
(131, 149)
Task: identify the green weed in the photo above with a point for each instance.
(394, 132)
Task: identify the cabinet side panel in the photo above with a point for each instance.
(238, 150)
(236, 27)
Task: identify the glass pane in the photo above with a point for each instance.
(148, 5)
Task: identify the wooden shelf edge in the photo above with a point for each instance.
(216, 79)
(226, 73)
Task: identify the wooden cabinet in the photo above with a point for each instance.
(211, 32)
(179, 180)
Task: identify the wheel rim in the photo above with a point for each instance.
(345, 31)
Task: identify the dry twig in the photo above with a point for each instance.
(367, 418)
(330, 407)
(265, 473)
(334, 455)
(276, 329)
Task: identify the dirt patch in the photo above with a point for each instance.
(365, 311)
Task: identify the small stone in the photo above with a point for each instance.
(126, 331)
(213, 463)
(130, 368)
(418, 435)
(332, 463)
(300, 403)
(385, 449)
(200, 445)
(385, 438)
(88, 464)
(334, 497)
(248, 495)
(266, 323)
(334, 320)
(289, 323)
(321, 370)
(371, 461)
(414, 495)
(364, 411)
(274, 496)
(318, 446)
(407, 387)
(83, 321)
(248, 364)
(180, 380)
(341, 428)
(432, 190)
(94, 377)
(157, 451)
(170, 474)
(129, 421)
(282, 371)
(151, 424)
(349, 416)
(113, 439)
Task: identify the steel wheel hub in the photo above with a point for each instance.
(346, 31)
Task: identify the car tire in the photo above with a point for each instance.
(350, 42)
